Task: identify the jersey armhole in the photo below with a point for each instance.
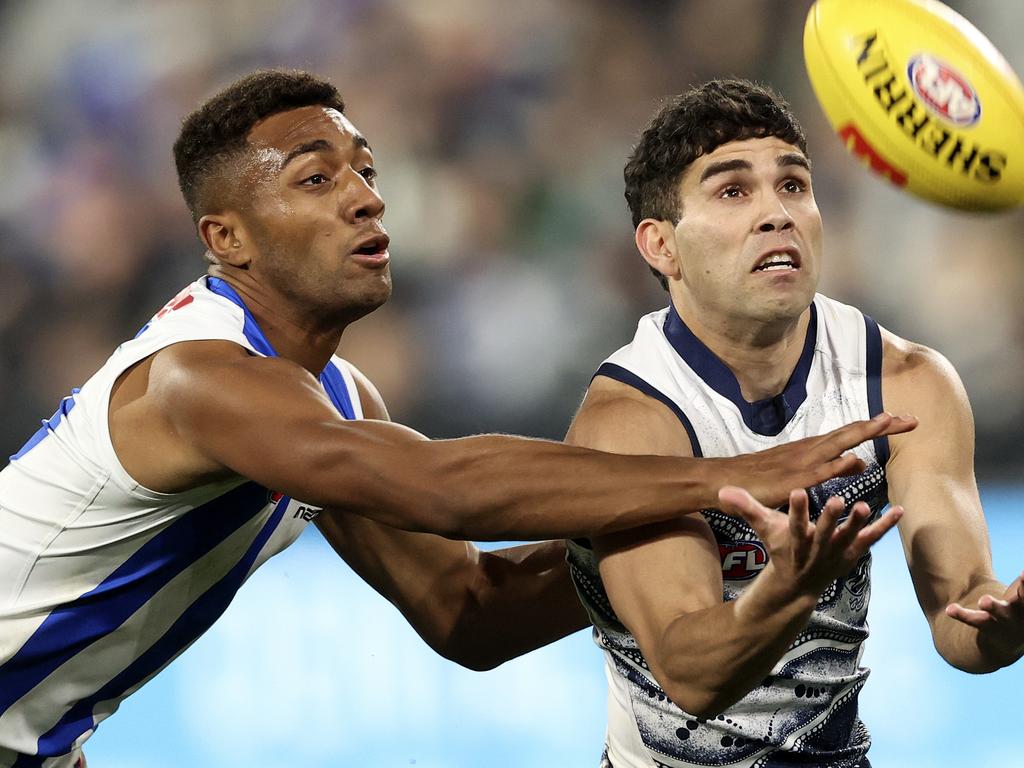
(873, 370)
(627, 377)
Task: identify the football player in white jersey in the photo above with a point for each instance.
(206, 443)
(733, 637)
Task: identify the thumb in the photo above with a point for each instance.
(740, 502)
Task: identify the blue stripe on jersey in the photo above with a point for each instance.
(74, 626)
(765, 417)
(617, 372)
(251, 329)
(196, 619)
(334, 383)
(49, 424)
(331, 379)
(873, 365)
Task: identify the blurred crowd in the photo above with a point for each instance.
(500, 130)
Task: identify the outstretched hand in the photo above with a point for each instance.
(999, 620)
(769, 475)
(807, 555)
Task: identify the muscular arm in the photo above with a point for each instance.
(945, 538)
(476, 608)
(206, 410)
(665, 584)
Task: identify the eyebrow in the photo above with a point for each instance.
(724, 166)
(320, 145)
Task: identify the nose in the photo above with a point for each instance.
(362, 201)
(774, 217)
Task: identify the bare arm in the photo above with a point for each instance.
(977, 622)
(665, 584)
(476, 608)
(218, 412)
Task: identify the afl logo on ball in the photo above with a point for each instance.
(742, 560)
(944, 90)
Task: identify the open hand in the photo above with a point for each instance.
(999, 621)
(770, 475)
(807, 555)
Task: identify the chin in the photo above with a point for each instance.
(364, 300)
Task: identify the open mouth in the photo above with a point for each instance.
(372, 246)
(778, 261)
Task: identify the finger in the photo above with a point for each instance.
(869, 535)
(968, 616)
(844, 466)
(739, 502)
(843, 439)
(800, 529)
(899, 425)
(847, 530)
(1015, 593)
(1000, 610)
(838, 441)
(826, 523)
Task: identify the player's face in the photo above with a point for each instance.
(315, 214)
(749, 239)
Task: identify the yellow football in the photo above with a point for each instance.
(921, 97)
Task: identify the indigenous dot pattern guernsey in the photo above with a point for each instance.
(104, 582)
(805, 711)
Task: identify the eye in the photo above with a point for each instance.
(369, 173)
(794, 186)
(315, 180)
(733, 191)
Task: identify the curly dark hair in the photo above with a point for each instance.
(692, 124)
(216, 133)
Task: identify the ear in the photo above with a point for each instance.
(656, 241)
(225, 238)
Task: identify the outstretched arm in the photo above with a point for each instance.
(977, 622)
(476, 608)
(222, 413)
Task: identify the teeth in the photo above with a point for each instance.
(776, 261)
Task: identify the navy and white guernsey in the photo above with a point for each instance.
(805, 711)
(104, 582)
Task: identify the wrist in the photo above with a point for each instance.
(774, 593)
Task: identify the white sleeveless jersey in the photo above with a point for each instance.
(102, 581)
(805, 711)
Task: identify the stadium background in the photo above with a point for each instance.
(500, 130)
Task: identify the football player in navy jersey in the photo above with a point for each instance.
(737, 641)
(205, 443)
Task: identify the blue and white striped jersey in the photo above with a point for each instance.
(805, 711)
(103, 582)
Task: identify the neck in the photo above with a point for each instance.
(295, 335)
(762, 356)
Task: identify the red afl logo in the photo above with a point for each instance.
(742, 560)
(944, 90)
(275, 497)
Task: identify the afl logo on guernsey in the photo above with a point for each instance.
(742, 560)
(944, 90)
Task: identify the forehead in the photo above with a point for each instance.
(286, 130)
(758, 152)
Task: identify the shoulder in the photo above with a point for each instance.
(920, 381)
(619, 418)
(912, 366)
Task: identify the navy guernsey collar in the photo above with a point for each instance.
(331, 379)
(765, 417)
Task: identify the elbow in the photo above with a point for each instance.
(469, 657)
(696, 701)
(703, 699)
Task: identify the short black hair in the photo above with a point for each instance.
(216, 132)
(695, 123)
